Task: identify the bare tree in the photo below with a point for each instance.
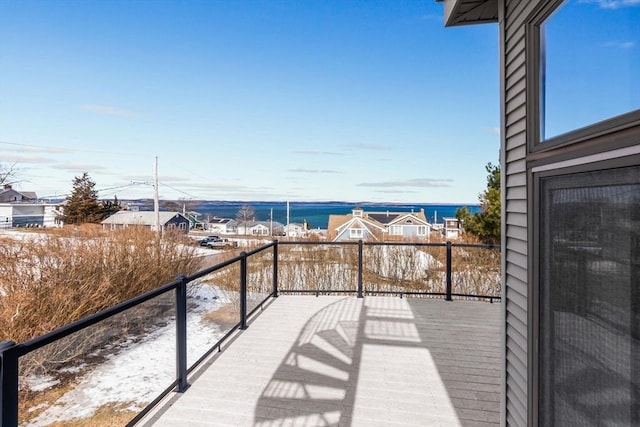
(8, 173)
(245, 214)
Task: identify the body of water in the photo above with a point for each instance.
(317, 213)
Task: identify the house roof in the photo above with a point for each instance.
(8, 195)
(383, 218)
(464, 12)
(373, 220)
(252, 224)
(140, 218)
(220, 220)
(410, 218)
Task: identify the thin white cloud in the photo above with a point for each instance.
(613, 4)
(321, 171)
(620, 45)
(11, 158)
(318, 153)
(395, 191)
(81, 167)
(26, 148)
(416, 182)
(111, 111)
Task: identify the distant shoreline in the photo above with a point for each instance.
(316, 214)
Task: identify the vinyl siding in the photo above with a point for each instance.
(516, 14)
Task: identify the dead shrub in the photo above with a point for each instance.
(54, 280)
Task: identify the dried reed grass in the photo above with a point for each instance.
(57, 279)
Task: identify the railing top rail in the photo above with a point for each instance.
(92, 319)
(309, 242)
(353, 243)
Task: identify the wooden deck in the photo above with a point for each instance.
(343, 361)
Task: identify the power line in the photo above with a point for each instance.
(182, 192)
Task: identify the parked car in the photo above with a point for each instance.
(221, 243)
(206, 240)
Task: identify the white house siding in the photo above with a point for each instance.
(514, 15)
(28, 215)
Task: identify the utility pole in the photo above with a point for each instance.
(156, 197)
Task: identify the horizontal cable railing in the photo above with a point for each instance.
(350, 267)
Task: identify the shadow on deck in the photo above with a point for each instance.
(342, 361)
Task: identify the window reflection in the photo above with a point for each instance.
(590, 63)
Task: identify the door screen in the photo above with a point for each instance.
(589, 304)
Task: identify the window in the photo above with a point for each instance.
(589, 61)
(356, 233)
(588, 299)
(396, 230)
(422, 230)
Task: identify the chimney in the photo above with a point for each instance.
(7, 186)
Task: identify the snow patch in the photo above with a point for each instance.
(138, 372)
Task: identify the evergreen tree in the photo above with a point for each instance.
(82, 205)
(486, 224)
(109, 207)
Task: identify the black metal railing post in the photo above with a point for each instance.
(8, 384)
(360, 246)
(181, 334)
(243, 290)
(448, 291)
(275, 268)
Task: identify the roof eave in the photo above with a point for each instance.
(467, 12)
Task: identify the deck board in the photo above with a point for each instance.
(343, 361)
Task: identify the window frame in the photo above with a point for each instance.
(396, 230)
(535, 97)
(356, 233)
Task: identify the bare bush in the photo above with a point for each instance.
(52, 281)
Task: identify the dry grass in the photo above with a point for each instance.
(105, 416)
(226, 316)
(385, 269)
(50, 280)
(54, 280)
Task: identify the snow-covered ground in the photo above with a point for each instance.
(137, 373)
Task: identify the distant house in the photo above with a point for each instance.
(195, 223)
(260, 228)
(9, 195)
(403, 225)
(168, 220)
(222, 225)
(377, 226)
(30, 214)
(450, 228)
(295, 229)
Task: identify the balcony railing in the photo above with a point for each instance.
(271, 274)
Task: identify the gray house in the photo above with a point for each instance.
(168, 220)
(570, 159)
(9, 195)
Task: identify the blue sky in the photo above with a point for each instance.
(249, 100)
